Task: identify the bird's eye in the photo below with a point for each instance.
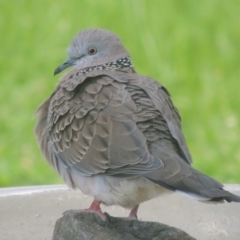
(92, 51)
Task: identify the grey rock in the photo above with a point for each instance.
(89, 226)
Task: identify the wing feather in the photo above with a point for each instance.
(92, 129)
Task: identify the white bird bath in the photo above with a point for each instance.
(31, 213)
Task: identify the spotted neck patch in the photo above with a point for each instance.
(120, 64)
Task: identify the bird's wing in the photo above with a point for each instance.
(92, 128)
(162, 102)
(166, 140)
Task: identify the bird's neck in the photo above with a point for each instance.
(122, 64)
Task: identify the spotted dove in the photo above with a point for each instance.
(115, 134)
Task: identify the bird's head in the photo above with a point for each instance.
(93, 47)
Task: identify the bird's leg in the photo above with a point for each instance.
(133, 214)
(94, 208)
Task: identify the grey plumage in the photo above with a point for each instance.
(104, 119)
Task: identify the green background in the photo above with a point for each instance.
(191, 47)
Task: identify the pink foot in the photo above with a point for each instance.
(94, 208)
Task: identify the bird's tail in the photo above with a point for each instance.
(230, 198)
(198, 186)
(179, 176)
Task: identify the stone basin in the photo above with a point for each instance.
(31, 212)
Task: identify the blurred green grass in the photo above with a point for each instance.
(191, 47)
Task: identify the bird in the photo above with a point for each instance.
(115, 134)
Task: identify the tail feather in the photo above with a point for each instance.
(230, 198)
(177, 175)
(199, 187)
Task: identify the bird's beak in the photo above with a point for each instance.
(68, 63)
